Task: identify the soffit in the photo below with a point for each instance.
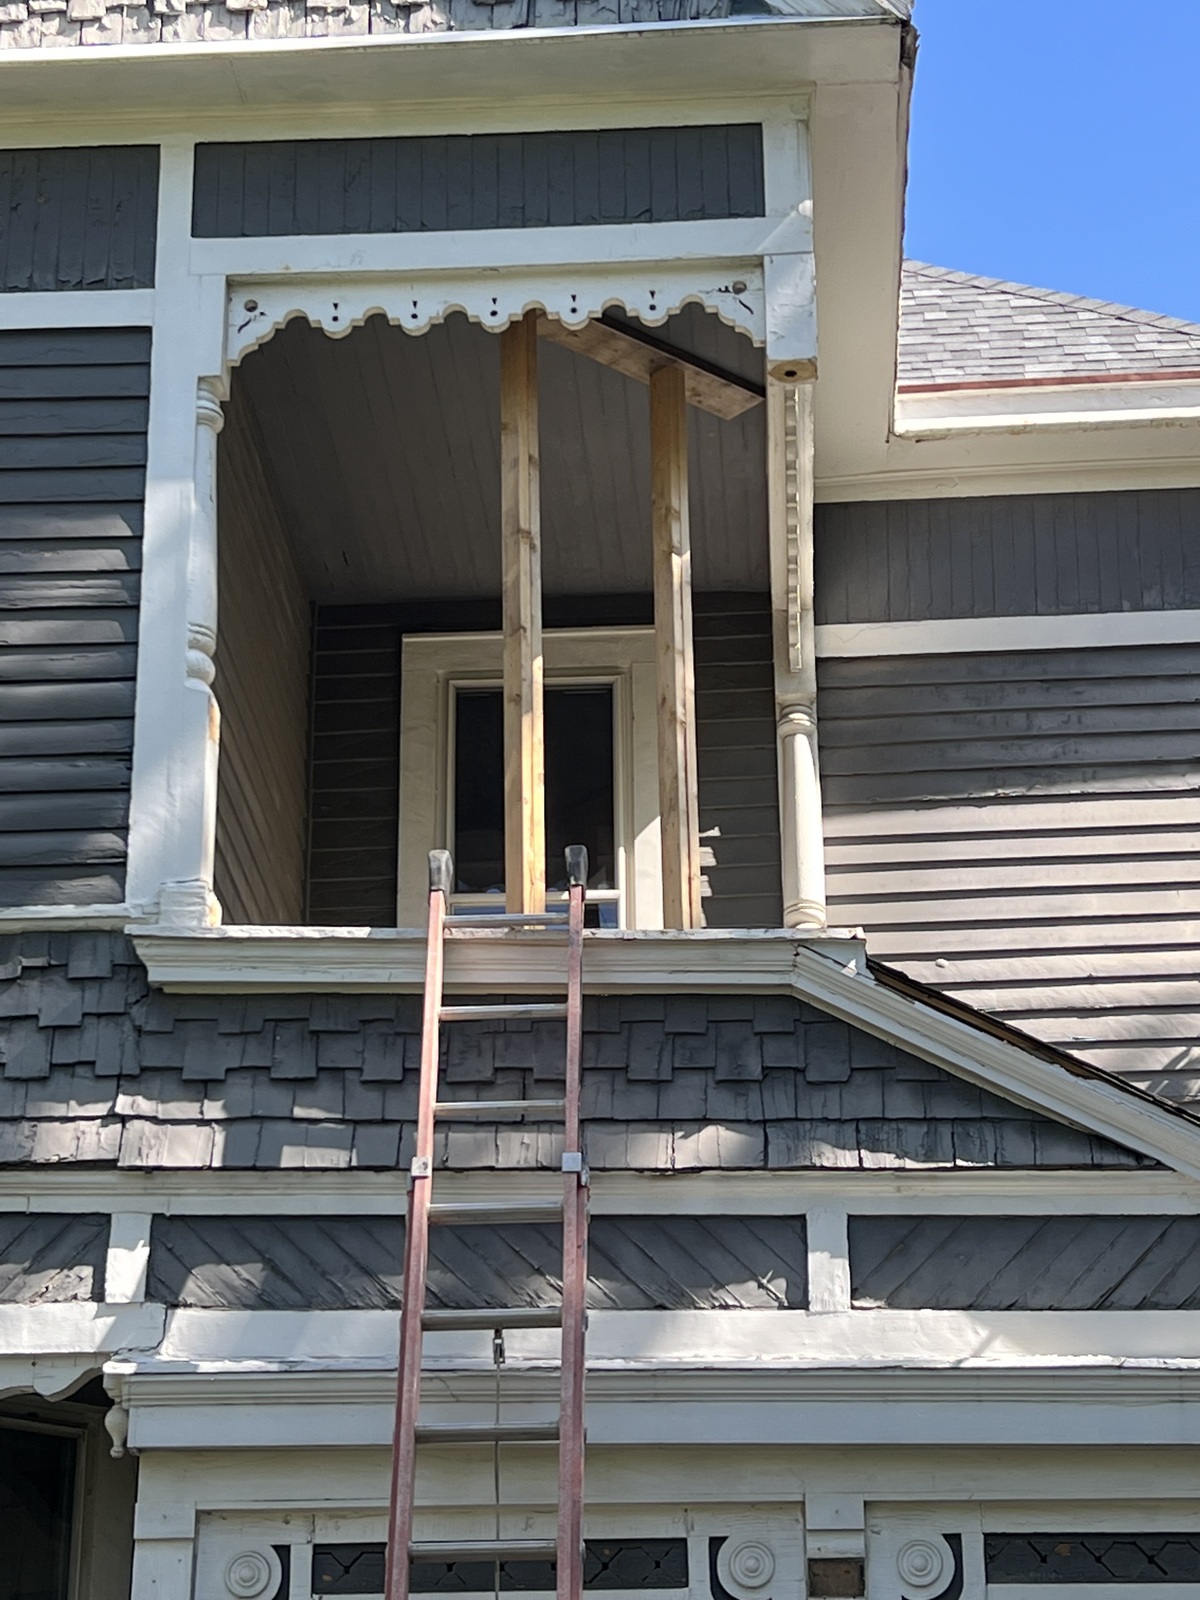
(385, 450)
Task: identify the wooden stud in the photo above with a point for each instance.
(678, 805)
(524, 757)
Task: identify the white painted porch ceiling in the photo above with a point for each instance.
(385, 451)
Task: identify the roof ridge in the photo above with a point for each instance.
(1058, 297)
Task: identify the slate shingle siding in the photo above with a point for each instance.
(98, 1069)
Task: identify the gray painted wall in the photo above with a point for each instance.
(1008, 555)
(1026, 1263)
(97, 1070)
(262, 687)
(333, 1263)
(467, 181)
(79, 218)
(1021, 830)
(73, 410)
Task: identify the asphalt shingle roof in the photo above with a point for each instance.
(955, 328)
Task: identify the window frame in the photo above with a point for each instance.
(434, 665)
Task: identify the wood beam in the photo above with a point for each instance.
(524, 757)
(637, 354)
(678, 805)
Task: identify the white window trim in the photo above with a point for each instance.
(432, 663)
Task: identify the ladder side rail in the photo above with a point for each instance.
(569, 1577)
(416, 1247)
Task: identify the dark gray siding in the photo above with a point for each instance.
(355, 769)
(1022, 831)
(1026, 1263)
(1008, 555)
(95, 1069)
(735, 753)
(73, 410)
(355, 749)
(334, 1263)
(51, 1256)
(262, 687)
(78, 219)
(467, 181)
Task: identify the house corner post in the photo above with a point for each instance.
(790, 495)
(187, 898)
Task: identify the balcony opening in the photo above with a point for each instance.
(358, 658)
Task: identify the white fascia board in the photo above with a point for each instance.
(1049, 1402)
(982, 1191)
(934, 414)
(664, 61)
(246, 959)
(74, 1329)
(1110, 1110)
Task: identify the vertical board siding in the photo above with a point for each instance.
(1008, 556)
(1026, 1263)
(262, 688)
(355, 750)
(73, 409)
(469, 181)
(735, 750)
(78, 219)
(337, 1263)
(1022, 831)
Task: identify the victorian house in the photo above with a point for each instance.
(488, 429)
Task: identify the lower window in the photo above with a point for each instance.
(37, 1512)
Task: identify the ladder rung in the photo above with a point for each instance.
(485, 1550)
(439, 1320)
(488, 1433)
(469, 1213)
(508, 919)
(515, 1012)
(454, 1110)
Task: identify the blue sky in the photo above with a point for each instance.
(1057, 143)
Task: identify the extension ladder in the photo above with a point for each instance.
(415, 1316)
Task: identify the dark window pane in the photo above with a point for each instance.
(478, 791)
(579, 786)
(579, 782)
(37, 1491)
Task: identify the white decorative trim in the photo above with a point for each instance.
(977, 635)
(926, 470)
(13, 919)
(827, 1230)
(128, 1258)
(652, 291)
(84, 308)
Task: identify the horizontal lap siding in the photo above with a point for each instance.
(1022, 832)
(73, 412)
(79, 218)
(262, 688)
(471, 181)
(1009, 555)
(1026, 1263)
(735, 752)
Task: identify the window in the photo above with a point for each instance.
(601, 769)
(37, 1511)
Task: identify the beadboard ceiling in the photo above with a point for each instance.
(385, 451)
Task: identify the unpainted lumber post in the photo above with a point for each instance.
(524, 756)
(790, 523)
(678, 803)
